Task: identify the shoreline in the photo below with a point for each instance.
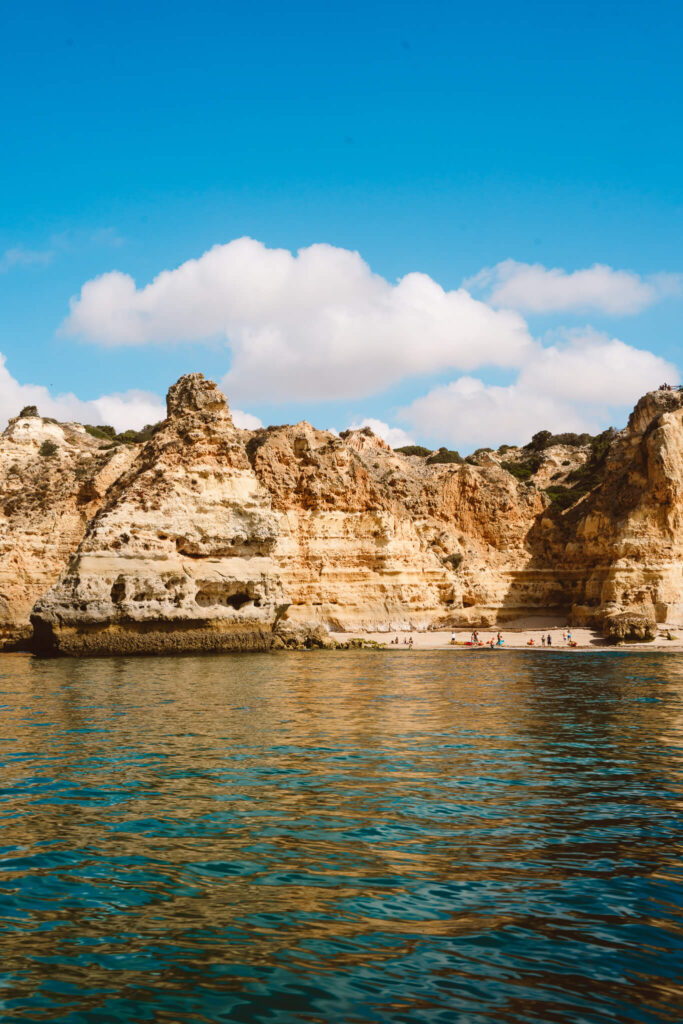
(515, 639)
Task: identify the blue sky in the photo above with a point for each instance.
(432, 138)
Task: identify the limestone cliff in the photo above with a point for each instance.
(628, 538)
(207, 537)
(178, 556)
(53, 479)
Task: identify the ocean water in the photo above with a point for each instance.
(342, 837)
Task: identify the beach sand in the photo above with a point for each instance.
(516, 637)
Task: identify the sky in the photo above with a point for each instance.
(456, 223)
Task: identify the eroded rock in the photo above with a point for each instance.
(179, 557)
(208, 537)
(632, 626)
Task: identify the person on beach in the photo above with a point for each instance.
(531, 642)
(452, 638)
(543, 640)
(549, 640)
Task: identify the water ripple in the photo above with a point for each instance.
(354, 837)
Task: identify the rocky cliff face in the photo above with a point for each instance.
(53, 479)
(178, 557)
(208, 537)
(628, 537)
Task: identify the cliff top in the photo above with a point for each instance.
(194, 399)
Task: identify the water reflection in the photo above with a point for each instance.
(342, 837)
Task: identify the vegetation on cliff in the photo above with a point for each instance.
(107, 433)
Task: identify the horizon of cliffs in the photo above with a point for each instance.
(201, 536)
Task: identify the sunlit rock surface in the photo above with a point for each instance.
(207, 537)
(179, 556)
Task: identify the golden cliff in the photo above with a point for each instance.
(207, 537)
(178, 557)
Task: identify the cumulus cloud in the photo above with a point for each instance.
(315, 325)
(572, 385)
(126, 410)
(394, 436)
(533, 288)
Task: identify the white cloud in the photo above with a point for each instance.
(533, 288)
(126, 410)
(570, 386)
(312, 326)
(245, 420)
(19, 257)
(394, 436)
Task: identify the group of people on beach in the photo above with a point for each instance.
(474, 640)
(547, 640)
(497, 641)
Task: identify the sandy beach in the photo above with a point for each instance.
(517, 638)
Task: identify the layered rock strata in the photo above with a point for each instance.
(53, 479)
(627, 536)
(208, 537)
(178, 558)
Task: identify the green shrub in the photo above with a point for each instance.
(444, 455)
(455, 560)
(358, 430)
(520, 470)
(48, 448)
(590, 473)
(544, 439)
(128, 437)
(29, 410)
(572, 440)
(103, 433)
(564, 497)
(505, 448)
(107, 433)
(601, 444)
(540, 441)
(148, 431)
(525, 469)
(584, 478)
(414, 449)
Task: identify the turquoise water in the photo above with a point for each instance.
(344, 837)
